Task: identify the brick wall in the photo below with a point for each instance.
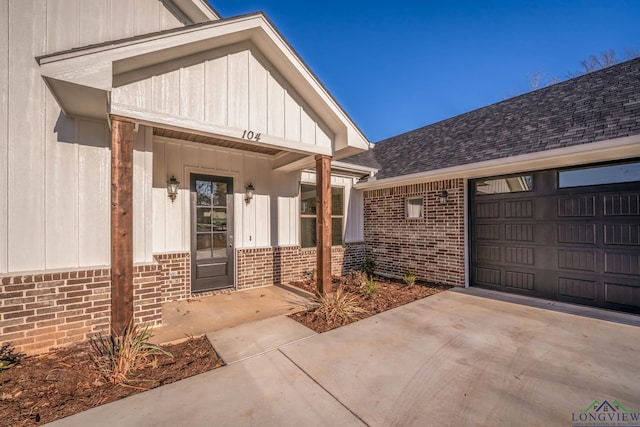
(267, 266)
(168, 279)
(42, 311)
(433, 246)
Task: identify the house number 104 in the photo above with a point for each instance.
(251, 135)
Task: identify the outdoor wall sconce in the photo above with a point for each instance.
(444, 197)
(248, 195)
(172, 188)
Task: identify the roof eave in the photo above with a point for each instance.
(96, 66)
(601, 151)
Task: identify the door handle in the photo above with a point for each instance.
(230, 241)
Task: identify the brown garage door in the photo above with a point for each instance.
(566, 235)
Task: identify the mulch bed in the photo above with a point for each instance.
(44, 388)
(392, 293)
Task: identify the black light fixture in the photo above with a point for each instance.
(172, 188)
(248, 195)
(444, 197)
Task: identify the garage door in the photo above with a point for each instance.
(566, 235)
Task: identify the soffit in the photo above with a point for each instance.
(218, 142)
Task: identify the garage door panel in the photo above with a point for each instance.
(622, 204)
(519, 232)
(519, 255)
(518, 209)
(488, 210)
(622, 263)
(577, 288)
(617, 293)
(488, 232)
(622, 234)
(576, 260)
(488, 276)
(576, 233)
(520, 280)
(488, 253)
(578, 244)
(578, 206)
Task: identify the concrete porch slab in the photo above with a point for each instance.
(199, 315)
(251, 339)
(267, 390)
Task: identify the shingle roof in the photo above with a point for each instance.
(598, 106)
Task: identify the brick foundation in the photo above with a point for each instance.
(267, 266)
(39, 312)
(432, 246)
(42, 311)
(168, 279)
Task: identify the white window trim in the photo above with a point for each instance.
(343, 216)
(406, 208)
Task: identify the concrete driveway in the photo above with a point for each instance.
(452, 359)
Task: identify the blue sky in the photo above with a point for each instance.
(396, 66)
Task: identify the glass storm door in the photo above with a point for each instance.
(211, 233)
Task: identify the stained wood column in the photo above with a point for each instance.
(121, 222)
(323, 223)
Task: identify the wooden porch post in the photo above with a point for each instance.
(323, 223)
(121, 222)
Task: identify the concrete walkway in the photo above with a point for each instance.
(452, 359)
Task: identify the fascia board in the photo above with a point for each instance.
(182, 124)
(615, 149)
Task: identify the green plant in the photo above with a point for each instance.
(339, 305)
(356, 278)
(409, 277)
(8, 356)
(369, 288)
(310, 275)
(115, 356)
(369, 266)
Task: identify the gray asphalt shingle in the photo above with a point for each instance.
(594, 107)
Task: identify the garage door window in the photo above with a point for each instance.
(510, 184)
(613, 174)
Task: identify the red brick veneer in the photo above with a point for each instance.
(267, 266)
(42, 311)
(433, 247)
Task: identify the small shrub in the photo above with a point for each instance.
(369, 288)
(409, 278)
(369, 266)
(356, 278)
(340, 305)
(116, 356)
(310, 275)
(8, 356)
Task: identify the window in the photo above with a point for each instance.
(413, 208)
(509, 184)
(628, 172)
(308, 215)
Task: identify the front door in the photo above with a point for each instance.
(211, 233)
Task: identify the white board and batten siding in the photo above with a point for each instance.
(272, 218)
(171, 220)
(55, 171)
(234, 89)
